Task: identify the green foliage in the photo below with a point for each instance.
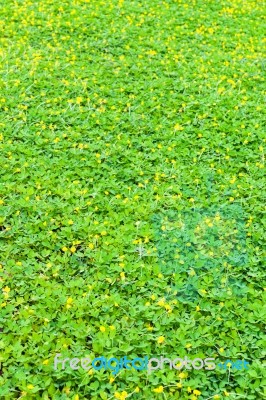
(203, 248)
(118, 119)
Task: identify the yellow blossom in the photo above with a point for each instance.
(120, 396)
(160, 339)
(178, 127)
(196, 392)
(158, 389)
(161, 303)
